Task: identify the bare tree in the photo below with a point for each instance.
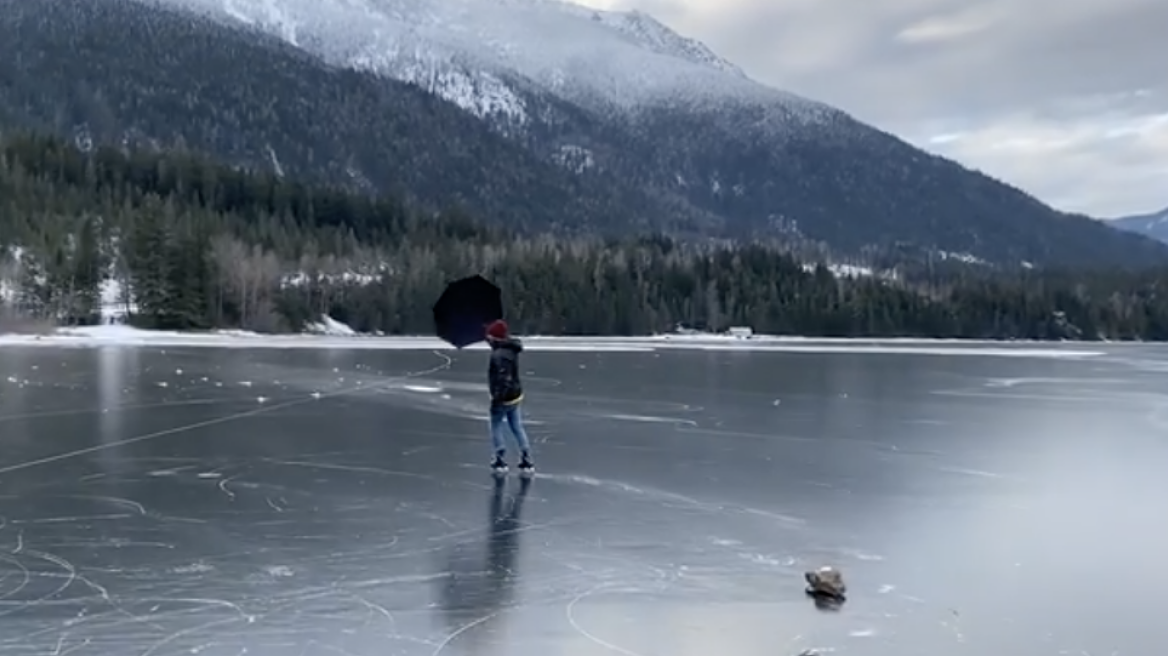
(230, 258)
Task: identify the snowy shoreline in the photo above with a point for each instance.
(119, 335)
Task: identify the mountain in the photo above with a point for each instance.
(109, 72)
(532, 112)
(1153, 225)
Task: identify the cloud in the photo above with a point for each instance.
(1066, 99)
(962, 23)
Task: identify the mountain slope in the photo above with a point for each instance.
(685, 124)
(569, 119)
(1153, 225)
(594, 58)
(107, 71)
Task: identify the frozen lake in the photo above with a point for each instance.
(160, 500)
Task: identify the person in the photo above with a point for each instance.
(506, 396)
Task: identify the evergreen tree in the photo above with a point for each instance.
(88, 265)
(149, 259)
(33, 297)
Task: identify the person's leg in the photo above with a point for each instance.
(497, 444)
(515, 421)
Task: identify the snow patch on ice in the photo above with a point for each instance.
(861, 555)
(193, 568)
(970, 472)
(1014, 382)
(653, 420)
(163, 472)
(279, 571)
(769, 561)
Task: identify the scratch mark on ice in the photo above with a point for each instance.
(570, 615)
(69, 520)
(350, 468)
(463, 629)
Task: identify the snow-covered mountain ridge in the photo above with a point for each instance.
(483, 54)
(1154, 225)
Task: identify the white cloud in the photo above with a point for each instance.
(1113, 165)
(1064, 98)
(964, 22)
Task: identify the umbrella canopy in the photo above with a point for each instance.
(464, 310)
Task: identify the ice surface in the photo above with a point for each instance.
(150, 505)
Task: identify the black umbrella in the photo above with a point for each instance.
(464, 310)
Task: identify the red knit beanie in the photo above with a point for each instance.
(497, 329)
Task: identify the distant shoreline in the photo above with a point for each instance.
(97, 336)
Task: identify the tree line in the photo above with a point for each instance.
(198, 245)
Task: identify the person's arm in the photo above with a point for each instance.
(494, 380)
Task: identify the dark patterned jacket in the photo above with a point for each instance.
(503, 372)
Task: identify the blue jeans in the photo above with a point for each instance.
(514, 419)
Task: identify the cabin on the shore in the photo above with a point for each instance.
(740, 332)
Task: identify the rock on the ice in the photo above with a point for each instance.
(826, 582)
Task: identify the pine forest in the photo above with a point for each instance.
(195, 245)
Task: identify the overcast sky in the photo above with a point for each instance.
(1067, 99)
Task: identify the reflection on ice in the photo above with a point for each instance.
(479, 578)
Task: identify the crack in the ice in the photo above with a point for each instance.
(266, 409)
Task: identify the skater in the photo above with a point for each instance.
(506, 396)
